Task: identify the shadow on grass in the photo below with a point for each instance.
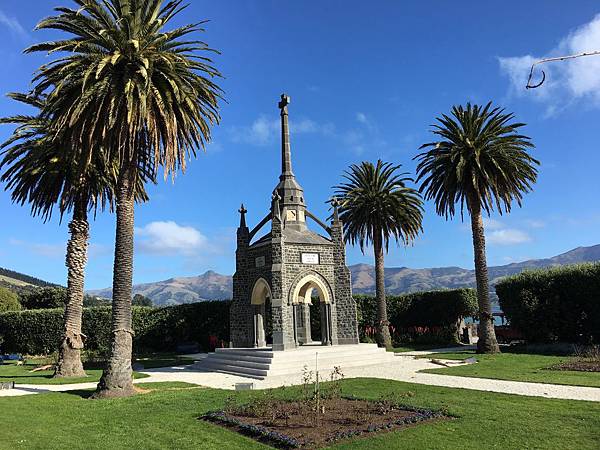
(83, 393)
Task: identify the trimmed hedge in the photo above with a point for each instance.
(433, 314)
(554, 305)
(36, 332)
(426, 315)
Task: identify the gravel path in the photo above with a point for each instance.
(402, 368)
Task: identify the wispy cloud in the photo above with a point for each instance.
(265, 130)
(566, 81)
(13, 25)
(535, 223)
(45, 250)
(169, 238)
(359, 137)
(362, 137)
(58, 250)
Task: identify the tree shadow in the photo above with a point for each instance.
(82, 393)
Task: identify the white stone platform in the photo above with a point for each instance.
(262, 363)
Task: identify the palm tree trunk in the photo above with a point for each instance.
(69, 359)
(117, 379)
(383, 330)
(487, 342)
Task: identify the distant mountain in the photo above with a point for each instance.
(404, 279)
(398, 280)
(176, 291)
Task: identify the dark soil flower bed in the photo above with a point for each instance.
(295, 424)
(579, 366)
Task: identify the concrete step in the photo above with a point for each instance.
(256, 364)
(234, 370)
(234, 357)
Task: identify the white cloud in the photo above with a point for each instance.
(498, 233)
(566, 81)
(508, 236)
(169, 238)
(13, 25)
(266, 130)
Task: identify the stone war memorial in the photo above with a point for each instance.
(279, 275)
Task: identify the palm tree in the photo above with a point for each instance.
(481, 162)
(376, 205)
(38, 171)
(140, 93)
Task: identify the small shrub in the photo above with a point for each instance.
(9, 301)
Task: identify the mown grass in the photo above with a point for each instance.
(518, 367)
(21, 374)
(168, 418)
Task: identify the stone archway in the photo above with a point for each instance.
(261, 295)
(301, 300)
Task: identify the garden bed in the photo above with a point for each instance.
(578, 366)
(295, 424)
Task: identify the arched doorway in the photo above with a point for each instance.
(261, 296)
(311, 289)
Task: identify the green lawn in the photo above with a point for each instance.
(167, 418)
(10, 371)
(518, 367)
(22, 375)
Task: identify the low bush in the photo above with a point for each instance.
(9, 301)
(38, 332)
(554, 305)
(45, 298)
(420, 317)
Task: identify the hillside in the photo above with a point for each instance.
(213, 286)
(20, 279)
(20, 283)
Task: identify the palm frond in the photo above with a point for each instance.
(480, 161)
(376, 201)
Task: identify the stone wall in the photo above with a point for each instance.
(283, 269)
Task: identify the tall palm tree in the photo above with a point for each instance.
(140, 93)
(376, 205)
(482, 162)
(38, 171)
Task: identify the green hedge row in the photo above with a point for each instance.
(554, 305)
(156, 329)
(431, 313)
(434, 314)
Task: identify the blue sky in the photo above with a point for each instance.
(366, 80)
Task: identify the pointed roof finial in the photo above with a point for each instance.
(275, 209)
(242, 212)
(335, 203)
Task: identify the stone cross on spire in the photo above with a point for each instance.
(286, 151)
(242, 212)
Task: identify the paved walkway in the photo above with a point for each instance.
(402, 368)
